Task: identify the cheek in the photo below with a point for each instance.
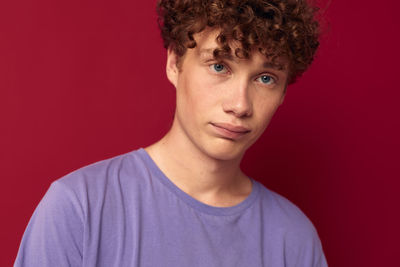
(199, 94)
(264, 113)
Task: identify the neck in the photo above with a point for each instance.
(213, 181)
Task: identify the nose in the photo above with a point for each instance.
(238, 100)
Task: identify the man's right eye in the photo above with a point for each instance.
(219, 68)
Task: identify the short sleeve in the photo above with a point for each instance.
(54, 234)
(304, 249)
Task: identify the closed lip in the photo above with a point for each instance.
(231, 127)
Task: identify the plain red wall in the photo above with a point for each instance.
(82, 81)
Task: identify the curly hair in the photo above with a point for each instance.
(277, 28)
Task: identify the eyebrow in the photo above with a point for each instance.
(278, 67)
(268, 65)
(210, 52)
(206, 51)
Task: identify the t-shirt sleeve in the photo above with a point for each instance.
(301, 244)
(54, 234)
(304, 249)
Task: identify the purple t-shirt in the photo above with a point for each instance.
(125, 212)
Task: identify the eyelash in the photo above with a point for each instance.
(272, 80)
(212, 67)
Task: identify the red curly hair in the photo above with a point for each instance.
(277, 28)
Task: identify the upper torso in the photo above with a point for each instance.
(125, 212)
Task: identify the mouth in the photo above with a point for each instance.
(230, 131)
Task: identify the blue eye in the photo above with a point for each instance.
(218, 68)
(266, 79)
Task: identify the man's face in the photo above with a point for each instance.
(223, 106)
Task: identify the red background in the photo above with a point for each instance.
(81, 81)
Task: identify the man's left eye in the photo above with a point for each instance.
(266, 79)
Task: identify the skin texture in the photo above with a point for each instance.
(222, 108)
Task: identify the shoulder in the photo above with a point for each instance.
(102, 184)
(77, 187)
(284, 213)
(292, 228)
(73, 207)
(106, 172)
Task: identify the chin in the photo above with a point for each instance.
(225, 150)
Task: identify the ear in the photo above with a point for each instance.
(172, 68)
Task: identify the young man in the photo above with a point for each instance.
(184, 201)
